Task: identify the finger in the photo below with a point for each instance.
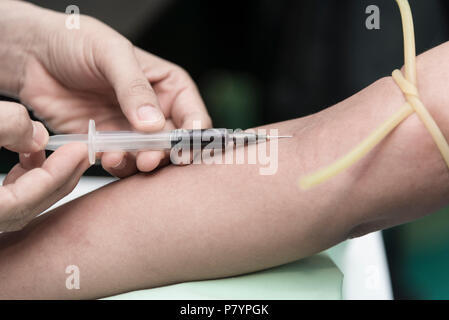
(135, 95)
(195, 120)
(188, 110)
(28, 161)
(119, 164)
(149, 160)
(13, 174)
(176, 91)
(39, 188)
(18, 132)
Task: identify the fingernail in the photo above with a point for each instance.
(149, 114)
(40, 135)
(26, 155)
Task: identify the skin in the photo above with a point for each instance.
(66, 77)
(209, 221)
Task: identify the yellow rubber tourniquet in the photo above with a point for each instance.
(408, 86)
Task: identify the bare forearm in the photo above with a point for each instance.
(203, 221)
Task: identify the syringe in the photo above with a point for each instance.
(104, 141)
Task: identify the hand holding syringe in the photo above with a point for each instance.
(98, 141)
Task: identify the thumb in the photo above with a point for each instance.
(18, 132)
(135, 95)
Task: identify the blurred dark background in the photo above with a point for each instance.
(265, 61)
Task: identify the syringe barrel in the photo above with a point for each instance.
(131, 141)
(122, 141)
(104, 141)
(181, 138)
